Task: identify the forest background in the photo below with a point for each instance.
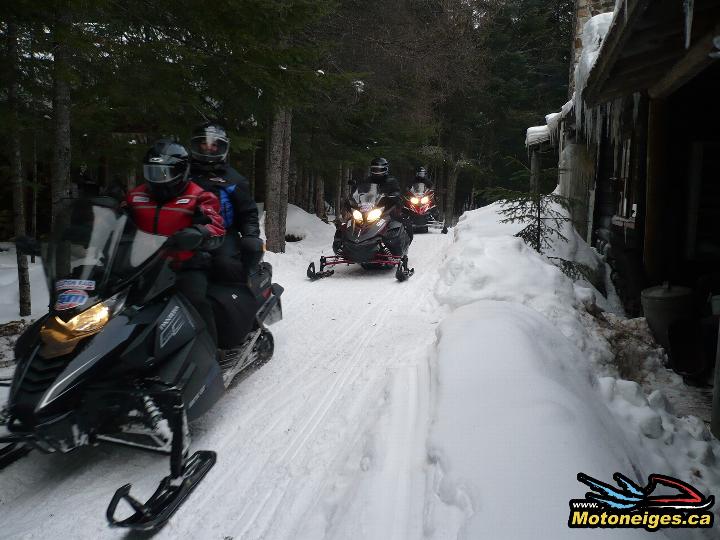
(310, 91)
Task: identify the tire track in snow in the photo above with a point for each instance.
(409, 417)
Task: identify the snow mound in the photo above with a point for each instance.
(302, 225)
(487, 262)
(516, 419)
(525, 351)
(9, 293)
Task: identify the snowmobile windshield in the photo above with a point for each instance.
(366, 195)
(94, 248)
(419, 188)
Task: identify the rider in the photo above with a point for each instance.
(169, 204)
(241, 252)
(390, 187)
(421, 177)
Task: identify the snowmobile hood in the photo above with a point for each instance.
(102, 345)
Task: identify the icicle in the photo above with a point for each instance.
(688, 7)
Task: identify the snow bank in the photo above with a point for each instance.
(9, 294)
(487, 263)
(314, 239)
(516, 419)
(522, 354)
(302, 225)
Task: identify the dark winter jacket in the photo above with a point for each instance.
(237, 206)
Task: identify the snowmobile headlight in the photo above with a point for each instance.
(425, 200)
(357, 215)
(93, 319)
(414, 200)
(374, 214)
(90, 320)
(60, 337)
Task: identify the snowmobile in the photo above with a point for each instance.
(420, 205)
(123, 357)
(370, 237)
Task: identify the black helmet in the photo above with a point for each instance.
(166, 167)
(379, 167)
(210, 144)
(421, 173)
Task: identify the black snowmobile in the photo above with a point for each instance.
(370, 237)
(122, 357)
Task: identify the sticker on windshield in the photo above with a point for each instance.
(70, 299)
(82, 284)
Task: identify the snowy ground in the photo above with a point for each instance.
(460, 404)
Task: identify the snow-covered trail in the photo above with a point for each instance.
(325, 441)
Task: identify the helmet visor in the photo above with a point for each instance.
(210, 146)
(163, 174)
(378, 169)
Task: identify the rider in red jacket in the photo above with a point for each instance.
(169, 204)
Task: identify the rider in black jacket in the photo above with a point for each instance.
(242, 249)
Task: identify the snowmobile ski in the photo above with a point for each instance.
(403, 272)
(313, 275)
(10, 453)
(168, 497)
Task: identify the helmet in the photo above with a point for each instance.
(165, 168)
(379, 167)
(210, 144)
(421, 173)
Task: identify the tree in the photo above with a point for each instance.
(16, 166)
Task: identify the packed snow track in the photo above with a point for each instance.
(327, 440)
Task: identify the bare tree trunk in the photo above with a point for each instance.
(320, 197)
(35, 190)
(338, 190)
(61, 110)
(285, 175)
(312, 179)
(346, 183)
(252, 171)
(16, 177)
(292, 181)
(275, 185)
(451, 188)
(307, 190)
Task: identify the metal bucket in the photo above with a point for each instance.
(664, 305)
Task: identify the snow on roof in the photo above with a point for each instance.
(594, 32)
(553, 123)
(537, 135)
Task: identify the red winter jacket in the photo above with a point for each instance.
(194, 206)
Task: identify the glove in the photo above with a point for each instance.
(186, 239)
(251, 253)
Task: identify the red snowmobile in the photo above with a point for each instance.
(420, 206)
